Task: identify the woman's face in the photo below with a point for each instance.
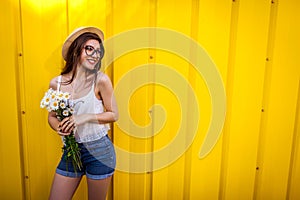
(90, 54)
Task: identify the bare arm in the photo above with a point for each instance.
(52, 119)
(107, 92)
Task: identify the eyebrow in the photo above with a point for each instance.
(93, 46)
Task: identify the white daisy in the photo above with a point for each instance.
(65, 113)
(47, 101)
(60, 95)
(71, 110)
(66, 96)
(42, 105)
(62, 105)
(52, 96)
(54, 105)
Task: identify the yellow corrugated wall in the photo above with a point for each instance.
(255, 47)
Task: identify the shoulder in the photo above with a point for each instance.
(103, 80)
(53, 83)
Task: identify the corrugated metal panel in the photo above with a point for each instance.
(11, 185)
(248, 65)
(254, 45)
(280, 109)
(43, 29)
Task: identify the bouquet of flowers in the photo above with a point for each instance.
(58, 102)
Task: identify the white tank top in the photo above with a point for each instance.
(88, 104)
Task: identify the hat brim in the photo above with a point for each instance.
(75, 34)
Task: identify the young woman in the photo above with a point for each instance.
(94, 107)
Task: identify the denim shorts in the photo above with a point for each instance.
(98, 159)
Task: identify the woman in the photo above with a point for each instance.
(94, 106)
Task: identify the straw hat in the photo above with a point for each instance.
(75, 34)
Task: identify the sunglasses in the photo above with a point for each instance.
(90, 51)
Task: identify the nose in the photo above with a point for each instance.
(95, 54)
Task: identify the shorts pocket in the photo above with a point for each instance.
(102, 150)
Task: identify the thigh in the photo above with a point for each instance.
(97, 189)
(63, 187)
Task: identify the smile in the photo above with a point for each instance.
(92, 61)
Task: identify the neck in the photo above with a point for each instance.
(83, 74)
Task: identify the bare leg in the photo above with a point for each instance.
(63, 187)
(97, 189)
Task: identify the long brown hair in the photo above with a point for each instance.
(74, 52)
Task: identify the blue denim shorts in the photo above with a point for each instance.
(98, 159)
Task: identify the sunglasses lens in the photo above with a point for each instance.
(89, 50)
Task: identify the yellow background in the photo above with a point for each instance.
(255, 45)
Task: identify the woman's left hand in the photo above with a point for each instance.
(67, 125)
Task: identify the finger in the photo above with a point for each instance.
(62, 133)
(68, 127)
(61, 125)
(65, 121)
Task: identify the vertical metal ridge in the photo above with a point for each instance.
(67, 17)
(229, 92)
(194, 24)
(109, 33)
(295, 144)
(266, 94)
(20, 86)
(151, 59)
